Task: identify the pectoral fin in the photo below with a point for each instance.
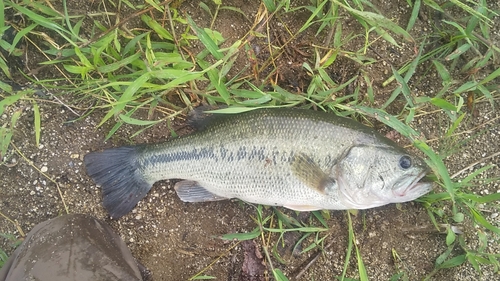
(304, 168)
(191, 191)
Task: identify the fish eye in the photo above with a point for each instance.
(405, 162)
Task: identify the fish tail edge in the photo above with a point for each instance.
(118, 173)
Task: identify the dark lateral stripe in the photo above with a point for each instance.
(219, 154)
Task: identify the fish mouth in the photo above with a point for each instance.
(416, 188)
(410, 189)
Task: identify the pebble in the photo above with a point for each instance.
(44, 169)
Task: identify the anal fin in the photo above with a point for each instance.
(191, 191)
(302, 208)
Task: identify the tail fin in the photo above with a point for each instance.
(119, 174)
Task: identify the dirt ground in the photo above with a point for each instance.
(176, 240)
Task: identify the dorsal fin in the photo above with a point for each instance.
(199, 119)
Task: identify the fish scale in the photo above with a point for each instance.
(266, 175)
(300, 159)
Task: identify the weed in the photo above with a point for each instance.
(3, 257)
(14, 243)
(285, 224)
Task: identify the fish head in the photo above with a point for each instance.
(372, 175)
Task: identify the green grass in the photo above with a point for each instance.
(3, 258)
(13, 242)
(106, 64)
(266, 226)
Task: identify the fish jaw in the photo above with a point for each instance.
(365, 198)
(413, 191)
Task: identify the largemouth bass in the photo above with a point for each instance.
(300, 159)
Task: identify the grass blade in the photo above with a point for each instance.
(162, 32)
(318, 10)
(490, 77)
(37, 123)
(377, 20)
(205, 39)
(133, 121)
(404, 82)
(270, 6)
(20, 34)
(279, 275)
(119, 64)
(414, 15)
(216, 80)
(125, 98)
(243, 236)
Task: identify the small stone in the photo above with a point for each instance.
(44, 169)
(75, 155)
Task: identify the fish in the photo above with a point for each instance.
(300, 159)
